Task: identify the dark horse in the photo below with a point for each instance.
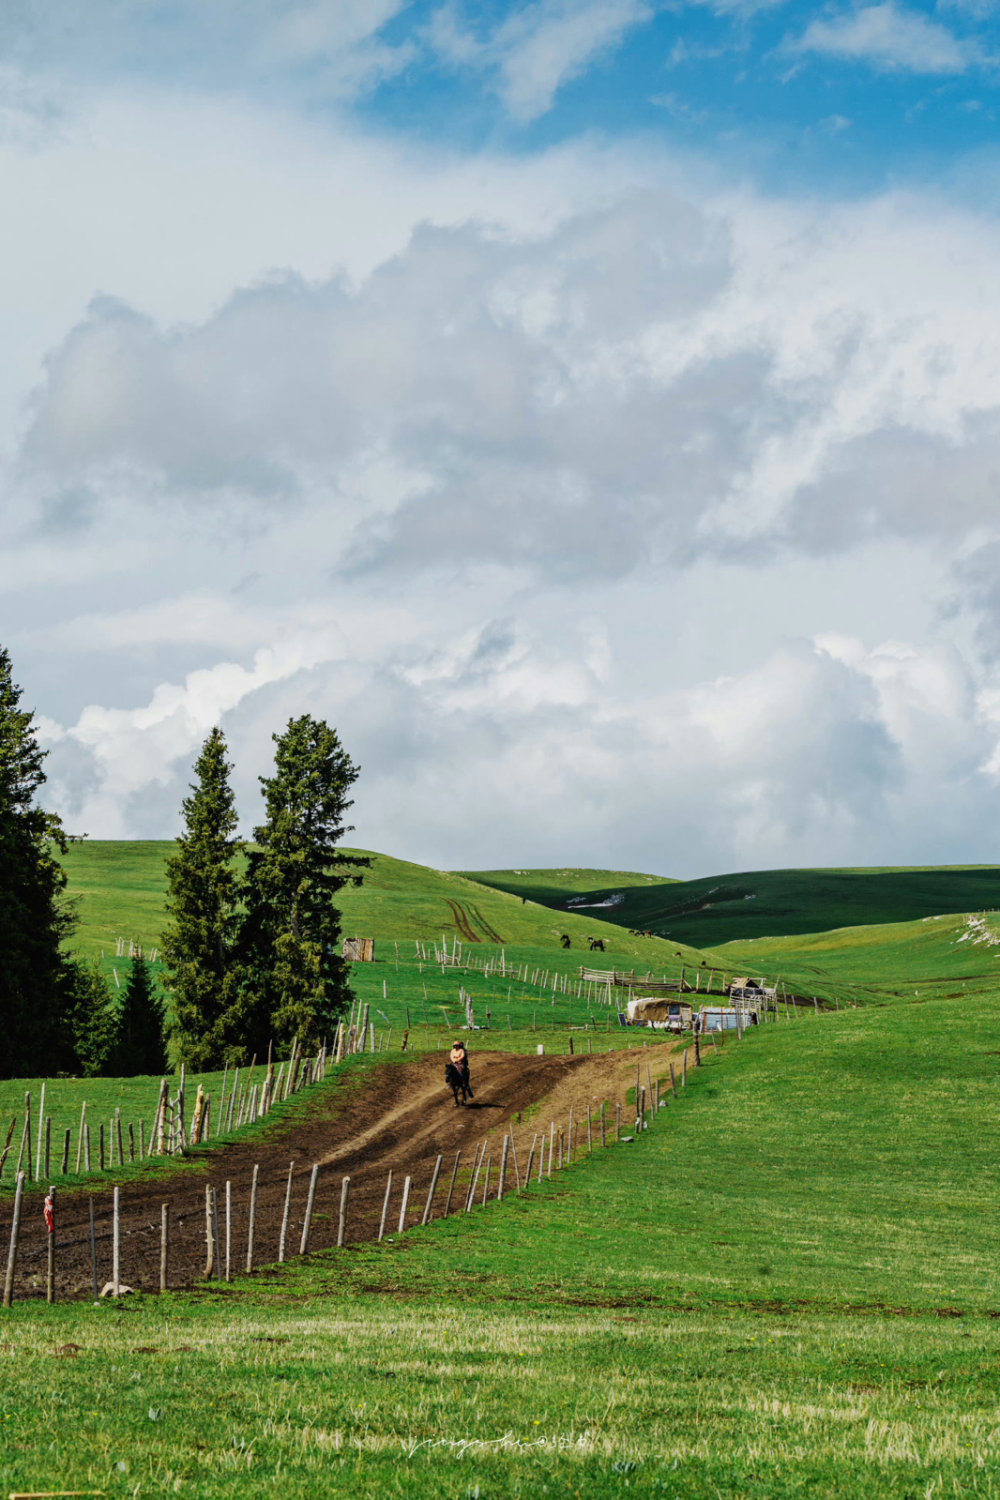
(457, 1080)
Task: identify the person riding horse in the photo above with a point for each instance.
(456, 1071)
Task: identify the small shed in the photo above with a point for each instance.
(659, 1012)
(359, 950)
(726, 1017)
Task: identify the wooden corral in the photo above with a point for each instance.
(359, 950)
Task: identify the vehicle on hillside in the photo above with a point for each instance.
(659, 1013)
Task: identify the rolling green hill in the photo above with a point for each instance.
(946, 956)
(120, 888)
(765, 903)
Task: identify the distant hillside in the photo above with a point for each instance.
(120, 890)
(555, 887)
(766, 903)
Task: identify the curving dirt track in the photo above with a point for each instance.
(399, 1120)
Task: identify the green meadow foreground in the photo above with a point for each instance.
(788, 1285)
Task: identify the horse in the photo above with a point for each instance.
(457, 1080)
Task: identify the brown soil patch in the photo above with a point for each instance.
(399, 1119)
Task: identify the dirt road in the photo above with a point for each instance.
(400, 1120)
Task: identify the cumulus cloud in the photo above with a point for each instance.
(329, 50)
(578, 494)
(890, 38)
(652, 380)
(817, 754)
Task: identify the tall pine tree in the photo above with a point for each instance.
(35, 916)
(202, 894)
(140, 1040)
(295, 983)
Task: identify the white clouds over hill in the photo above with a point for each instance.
(602, 510)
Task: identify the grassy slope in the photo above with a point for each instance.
(121, 889)
(937, 955)
(761, 903)
(713, 1311)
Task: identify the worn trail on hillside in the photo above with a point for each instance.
(399, 1118)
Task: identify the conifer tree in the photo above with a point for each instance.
(202, 893)
(89, 1018)
(35, 917)
(295, 983)
(140, 1040)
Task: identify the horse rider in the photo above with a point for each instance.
(458, 1059)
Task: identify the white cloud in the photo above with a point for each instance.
(538, 47)
(652, 380)
(507, 744)
(889, 38)
(535, 476)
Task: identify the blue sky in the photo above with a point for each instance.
(592, 407)
(836, 95)
(827, 96)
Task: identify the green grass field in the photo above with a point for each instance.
(763, 903)
(954, 956)
(787, 1286)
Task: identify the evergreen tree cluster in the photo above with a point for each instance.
(57, 1014)
(252, 950)
(253, 956)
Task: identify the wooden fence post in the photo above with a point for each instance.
(531, 1157)
(513, 1157)
(304, 1242)
(48, 1146)
(102, 1148)
(209, 1242)
(385, 1206)
(65, 1160)
(118, 1134)
(215, 1231)
(451, 1185)
(79, 1139)
(345, 1188)
(86, 1148)
(50, 1228)
(430, 1194)
(164, 1241)
(116, 1245)
(284, 1216)
(253, 1215)
(402, 1207)
(15, 1238)
(229, 1229)
(38, 1141)
(27, 1136)
(93, 1254)
(475, 1177)
(503, 1167)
